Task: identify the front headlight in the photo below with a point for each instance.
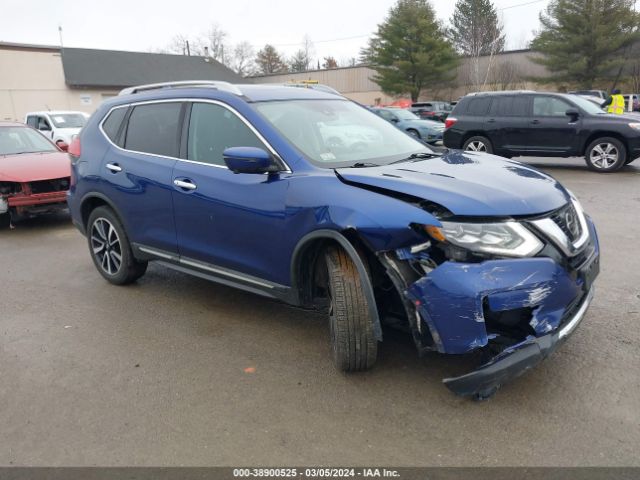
(635, 126)
(505, 238)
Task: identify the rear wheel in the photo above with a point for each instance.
(606, 154)
(478, 144)
(110, 249)
(353, 341)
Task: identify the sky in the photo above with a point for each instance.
(336, 27)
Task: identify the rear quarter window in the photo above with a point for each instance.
(113, 122)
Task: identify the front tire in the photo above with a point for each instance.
(605, 155)
(478, 144)
(353, 341)
(110, 249)
(414, 133)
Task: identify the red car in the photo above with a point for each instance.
(34, 173)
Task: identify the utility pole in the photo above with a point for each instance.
(60, 34)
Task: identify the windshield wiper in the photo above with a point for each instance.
(417, 156)
(364, 165)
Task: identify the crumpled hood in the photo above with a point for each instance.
(466, 183)
(30, 167)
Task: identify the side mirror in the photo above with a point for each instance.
(62, 145)
(573, 113)
(394, 120)
(248, 160)
(43, 127)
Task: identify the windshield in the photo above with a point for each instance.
(16, 140)
(68, 120)
(405, 114)
(586, 105)
(339, 133)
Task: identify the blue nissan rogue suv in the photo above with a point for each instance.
(304, 196)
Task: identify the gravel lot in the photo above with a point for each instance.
(155, 373)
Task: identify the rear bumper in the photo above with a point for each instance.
(516, 360)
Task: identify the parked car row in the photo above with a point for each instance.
(429, 131)
(525, 123)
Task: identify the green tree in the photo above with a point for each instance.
(298, 62)
(268, 60)
(475, 28)
(409, 51)
(583, 41)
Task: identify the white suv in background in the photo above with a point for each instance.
(59, 126)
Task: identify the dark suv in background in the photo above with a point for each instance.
(545, 125)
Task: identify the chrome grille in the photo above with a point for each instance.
(567, 219)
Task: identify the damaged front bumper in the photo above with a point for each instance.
(515, 312)
(515, 360)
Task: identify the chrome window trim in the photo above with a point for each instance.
(191, 100)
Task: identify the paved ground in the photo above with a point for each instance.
(154, 374)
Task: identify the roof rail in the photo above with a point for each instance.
(223, 86)
(490, 92)
(313, 85)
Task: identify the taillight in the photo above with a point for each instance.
(450, 122)
(74, 148)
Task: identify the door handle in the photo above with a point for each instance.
(185, 184)
(491, 120)
(114, 167)
(535, 122)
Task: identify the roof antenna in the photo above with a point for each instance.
(60, 33)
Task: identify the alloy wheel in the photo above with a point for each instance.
(604, 155)
(106, 246)
(476, 146)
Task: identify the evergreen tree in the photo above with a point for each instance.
(298, 62)
(269, 60)
(476, 29)
(409, 51)
(586, 40)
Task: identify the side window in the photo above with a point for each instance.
(212, 129)
(510, 106)
(43, 124)
(549, 107)
(520, 106)
(478, 106)
(154, 128)
(385, 114)
(111, 125)
(32, 121)
(501, 105)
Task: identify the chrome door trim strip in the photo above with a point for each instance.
(191, 100)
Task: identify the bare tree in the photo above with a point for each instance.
(309, 51)
(180, 44)
(507, 76)
(216, 40)
(243, 59)
(329, 62)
